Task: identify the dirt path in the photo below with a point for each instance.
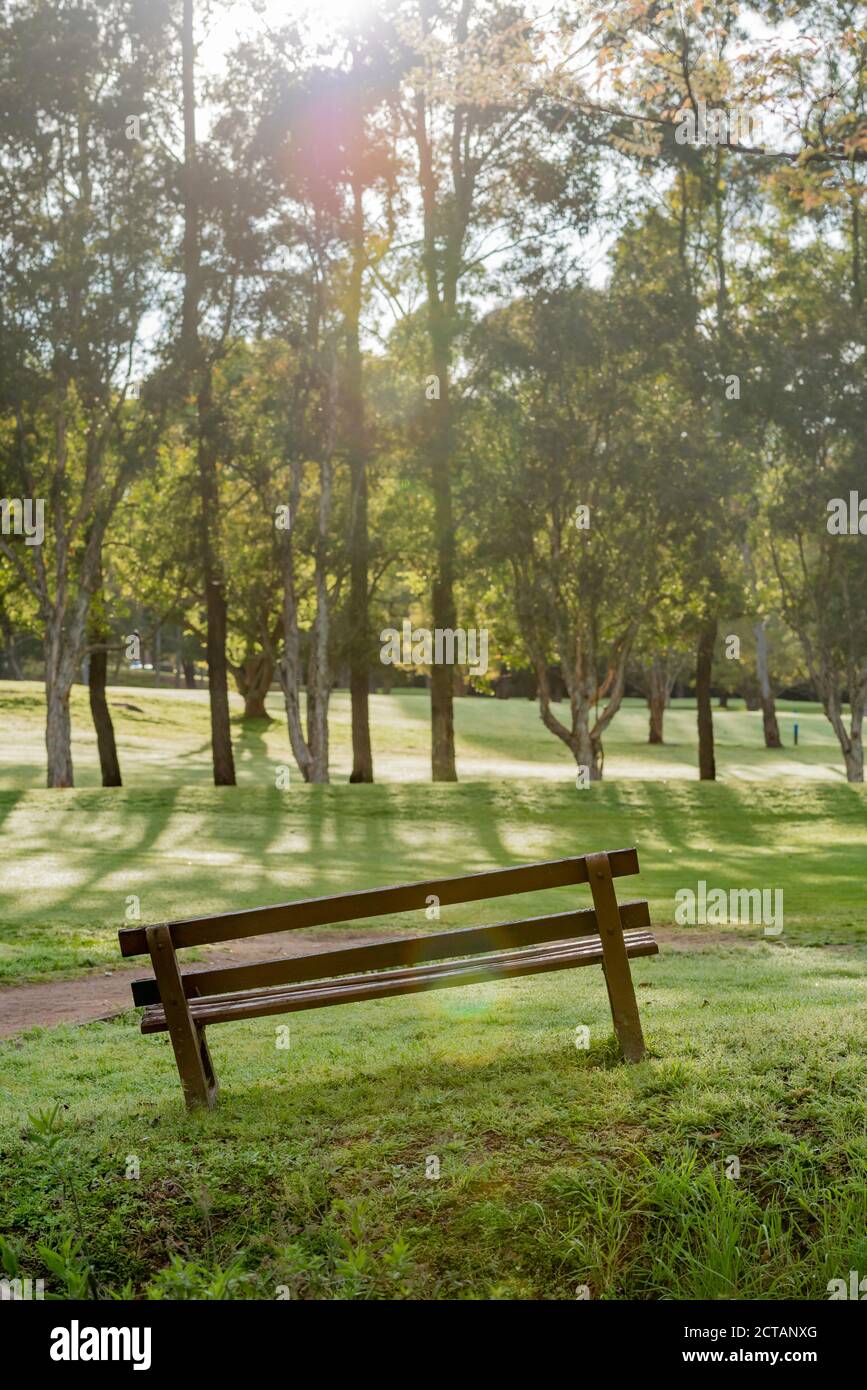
(106, 993)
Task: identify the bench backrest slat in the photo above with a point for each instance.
(375, 902)
(440, 945)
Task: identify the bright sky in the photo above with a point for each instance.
(221, 26)
(230, 22)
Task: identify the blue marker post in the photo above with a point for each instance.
(796, 733)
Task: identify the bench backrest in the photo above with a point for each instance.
(409, 897)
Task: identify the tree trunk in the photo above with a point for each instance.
(99, 636)
(102, 722)
(766, 694)
(586, 749)
(12, 662)
(58, 736)
(657, 699)
(704, 664)
(59, 672)
(319, 670)
(290, 684)
(253, 679)
(196, 370)
(359, 637)
(442, 269)
(215, 593)
(850, 740)
(855, 758)
(289, 668)
(318, 694)
(443, 767)
(9, 646)
(311, 754)
(583, 741)
(657, 716)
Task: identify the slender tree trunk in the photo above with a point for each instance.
(854, 759)
(704, 665)
(215, 593)
(197, 370)
(9, 648)
(441, 271)
(289, 670)
(766, 694)
(102, 722)
(12, 662)
(289, 665)
(850, 740)
(319, 678)
(359, 636)
(99, 635)
(59, 675)
(189, 669)
(658, 691)
(443, 768)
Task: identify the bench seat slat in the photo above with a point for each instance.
(375, 902)
(408, 950)
(508, 965)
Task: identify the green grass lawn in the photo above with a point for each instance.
(165, 741)
(73, 860)
(558, 1167)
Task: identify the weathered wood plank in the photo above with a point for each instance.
(618, 977)
(438, 976)
(413, 950)
(194, 1066)
(375, 902)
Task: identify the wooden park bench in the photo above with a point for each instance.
(185, 1002)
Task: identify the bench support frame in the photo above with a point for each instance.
(193, 1058)
(183, 1004)
(618, 976)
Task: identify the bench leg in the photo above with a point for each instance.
(207, 1064)
(191, 1051)
(618, 976)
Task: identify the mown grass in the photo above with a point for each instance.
(558, 1167)
(73, 860)
(164, 740)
